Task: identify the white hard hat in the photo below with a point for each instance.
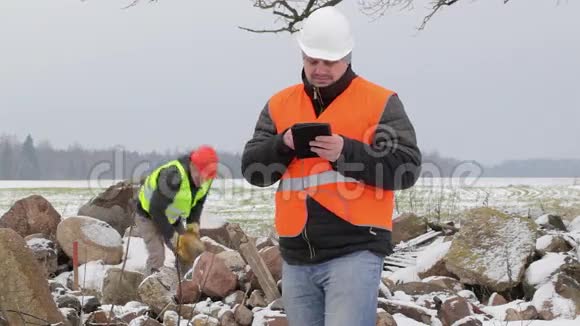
(326, 35)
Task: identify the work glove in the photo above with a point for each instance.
(189, 246)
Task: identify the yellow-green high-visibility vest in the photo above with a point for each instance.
(183, 201)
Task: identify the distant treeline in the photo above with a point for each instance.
(25, 160)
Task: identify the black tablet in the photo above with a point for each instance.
(303, 133)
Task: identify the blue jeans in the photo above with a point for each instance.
(339, 292)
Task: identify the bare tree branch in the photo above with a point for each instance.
(291, 14)
(437, 5)
(134, 3)
(294, 11)
(274, 31)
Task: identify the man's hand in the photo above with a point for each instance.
(328, 147)
(288, 140)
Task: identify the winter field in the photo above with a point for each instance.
(252, 207)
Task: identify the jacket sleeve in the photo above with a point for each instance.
(393, 160)
(168, 184)
(195, 214)
(265, 157)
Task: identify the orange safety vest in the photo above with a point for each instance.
(355, 114)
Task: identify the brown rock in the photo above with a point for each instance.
(158, 289)
(408, 226)
(128, 317)
(410, 310)
(551, 222)
(388, 283)
(228, 319)
(273, 260)
(235, 298)
(96, 240)
(44, 251)
(572, 270)
(419, 288)
(530, 313)
(257, 299)
(114, 206)
(219, 235)
(70, 315)
(31, 215)
(233, 260)
(264, 242)
(213, 246)
(243, 315)
(215, 278)
(454, 309)
(191, 292)
(170, 318)
(98, 317)
(120, 290)
(555, 244)
(496, 299)
(204, 320)
(448, 283)
(568, 288)
(385, 319)
(22, 283)
(277, 321)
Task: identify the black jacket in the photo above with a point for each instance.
(168, 184)
(395, 164)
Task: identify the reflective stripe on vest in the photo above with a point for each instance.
(355, 114)
(301, 183)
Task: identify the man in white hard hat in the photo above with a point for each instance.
(334, 210)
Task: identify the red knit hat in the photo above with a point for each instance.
(205, 159)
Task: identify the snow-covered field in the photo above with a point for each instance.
(236, 200)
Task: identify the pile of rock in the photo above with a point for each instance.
(494, 266)
(497, 267)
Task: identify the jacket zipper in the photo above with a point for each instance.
(318, 99)
(310, 248)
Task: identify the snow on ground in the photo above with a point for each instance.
(239, 201)
(543, 242)
(574, 226)
(403, 320)
(137, 255)
(547, 298)
(433, 254)
(41, 244)
(91, 275)
(262, 316)
(499, 312)
(405, 275)
(101, 233)
(540, 271)
(575, 322)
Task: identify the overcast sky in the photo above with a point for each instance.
(484, 81)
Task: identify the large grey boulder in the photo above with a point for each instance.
(97, 240)
(492, 249)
